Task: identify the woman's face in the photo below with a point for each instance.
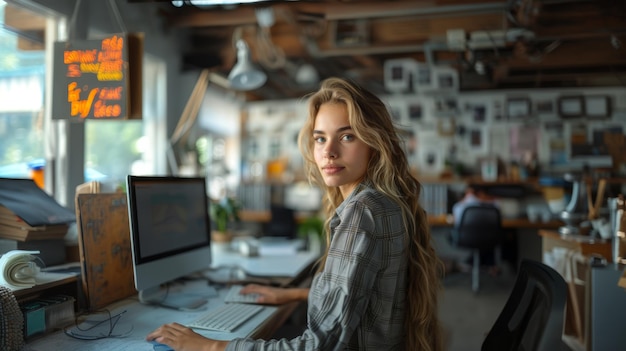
(341, 157)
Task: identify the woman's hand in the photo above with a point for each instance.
(275, 296)
(181, 338)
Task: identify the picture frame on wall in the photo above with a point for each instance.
(476, 138)
(518, 108)
(571, 106)
(446, 127)
(446, 78)
(415, 111)
(479, 113)
(423, 78)
(446, 106)
(397, 74)
(544, 106)
(597, 106)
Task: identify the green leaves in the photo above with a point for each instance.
(224, 212)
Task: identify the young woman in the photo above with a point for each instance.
(378, 284)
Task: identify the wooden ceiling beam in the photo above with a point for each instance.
(584, 53)
(334, 11)
(23, 20)
(345, 11)
(196, 19)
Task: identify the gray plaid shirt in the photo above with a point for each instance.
(358, 301)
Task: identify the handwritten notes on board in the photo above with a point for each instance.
(98, 79)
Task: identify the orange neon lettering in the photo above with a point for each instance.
(78, 56)
(73, 71)
(70, 56)
(89, 67)
(113, 43)
(111, 66)
(110, 76)
(73, 94)
(82, 107)
(101, 110)
(110, 94)
(110, 55)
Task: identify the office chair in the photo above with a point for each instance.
(480, 228)
(282, 222)
(533, 316)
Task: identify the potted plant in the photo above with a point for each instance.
(312, 230)
(223, 213)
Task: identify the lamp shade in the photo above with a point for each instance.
(245, 75)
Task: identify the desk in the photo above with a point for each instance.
(288, 266)
(141, 319)
(512, 223)
(434, 221)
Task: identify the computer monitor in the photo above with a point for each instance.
(170, 234)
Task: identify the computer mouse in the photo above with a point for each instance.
(157, 346)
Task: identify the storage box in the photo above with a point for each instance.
(47, 314)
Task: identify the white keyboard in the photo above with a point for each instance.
(227, 317)
(233, 296)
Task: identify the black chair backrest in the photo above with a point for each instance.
(533, 316)
(480, 227)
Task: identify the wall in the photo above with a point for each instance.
(474, 124)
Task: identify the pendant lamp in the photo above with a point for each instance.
(245, 75)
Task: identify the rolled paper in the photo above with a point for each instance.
(18, 271)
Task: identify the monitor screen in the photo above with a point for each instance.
(169, 228)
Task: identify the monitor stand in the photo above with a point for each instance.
(164, 298)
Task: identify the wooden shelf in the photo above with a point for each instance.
(68, 285)
(447, 221)
(434, 221)
(265, 216)
(585, 246)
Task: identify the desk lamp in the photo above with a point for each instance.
(245, 75)
(577, 211)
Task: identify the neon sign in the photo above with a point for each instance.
(92, 79)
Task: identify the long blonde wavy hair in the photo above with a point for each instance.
(389, 172)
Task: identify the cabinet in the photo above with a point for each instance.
(606, 309)
(569, 255)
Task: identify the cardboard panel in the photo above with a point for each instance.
(105, 250)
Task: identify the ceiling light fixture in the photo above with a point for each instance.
(245, 75)
(207, 3)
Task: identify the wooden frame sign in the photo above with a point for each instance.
(98, 79)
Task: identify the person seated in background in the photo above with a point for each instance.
(475, 195)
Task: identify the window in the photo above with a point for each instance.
(113, 149)
(22, 68)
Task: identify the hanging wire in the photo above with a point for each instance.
(270, 55)
(117, 15)
(71, 29)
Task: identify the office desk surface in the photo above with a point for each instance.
(289, 266)
(140, 319)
